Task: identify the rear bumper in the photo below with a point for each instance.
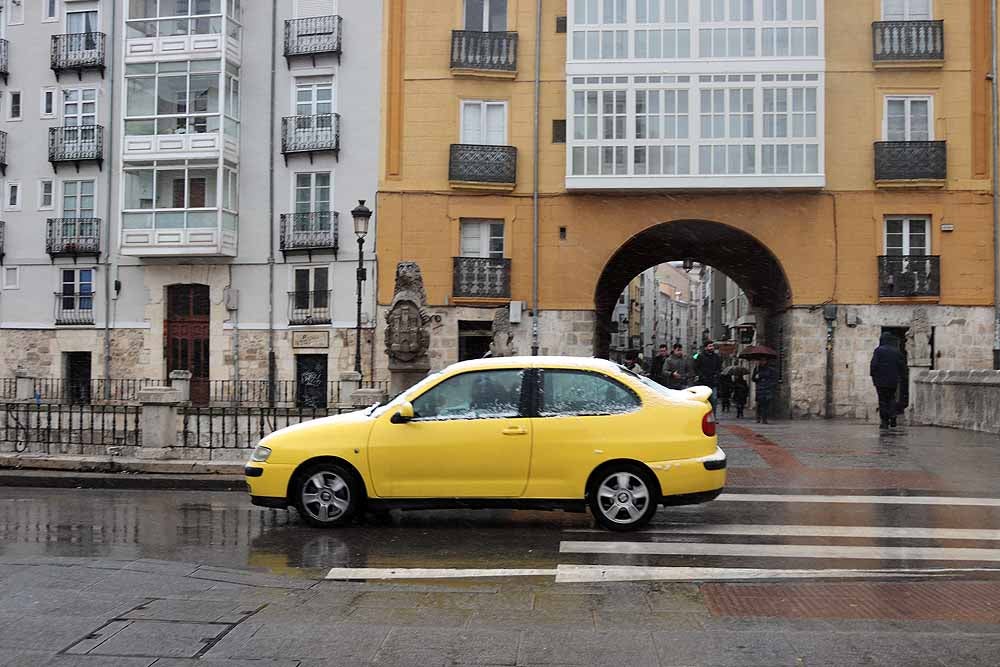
(689, 481)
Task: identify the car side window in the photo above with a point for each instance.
(474, 395)
(579, 393)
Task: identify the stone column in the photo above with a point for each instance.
(159, 420)
(25, 385)
(181, 381)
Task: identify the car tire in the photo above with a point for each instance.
(327, 495)
(623, 497)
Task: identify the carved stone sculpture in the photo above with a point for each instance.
(407, 336)
(502, 344)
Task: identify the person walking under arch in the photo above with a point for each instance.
(708, 367)
(765, 376)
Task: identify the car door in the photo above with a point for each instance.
(469, 438)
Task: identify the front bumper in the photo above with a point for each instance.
(268, 480)
(697, 478)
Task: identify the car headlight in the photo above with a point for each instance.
(260, 453)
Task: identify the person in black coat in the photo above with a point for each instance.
(741, 392)
(766, 378)
(888, 368)
(708, 368)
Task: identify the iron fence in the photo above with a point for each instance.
(306, 134)
(77, 51)
(313, 35)
(240, 428)
(4, 46)
(909, 276)
(73, 236)
(474, 163)
(487, 51)
(3, 151)
(124, 390)
(3, 229)
(317, 230)
(481, 277)
(282, 393)
(75, 143)
(908, 40)
(47, 424)
(911, 160)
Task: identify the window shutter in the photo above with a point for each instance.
(307, 8)
(496, 124)
(472, 123)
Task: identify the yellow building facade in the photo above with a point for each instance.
(833, 158)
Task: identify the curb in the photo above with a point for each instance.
(51, 479)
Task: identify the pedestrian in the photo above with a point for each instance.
(765, 376)
(726, 391)
(677, 369)
(741, 392)
(632, 364)
(888, 368)
(656, 367)
(708, 367)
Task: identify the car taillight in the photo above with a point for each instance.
(708, 424)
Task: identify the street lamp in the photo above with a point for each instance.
(362, 216)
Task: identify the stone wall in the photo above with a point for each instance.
(958, 399)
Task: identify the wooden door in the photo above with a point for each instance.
(187, 336)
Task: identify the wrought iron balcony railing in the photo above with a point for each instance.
(306, 308)
(76, 143)
(3, 152)
(911, 160)
(317, 230)
(481, 278)
(308, 134)
(78, 51)
(474, 163)
(3, 229)
(74, 308)
(907, 40)
(484, 51)
(909, 276)
(313, 36)
(4, 67)
(73, 236)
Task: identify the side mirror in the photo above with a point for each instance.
(404, 413)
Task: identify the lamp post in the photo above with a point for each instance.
(362, 215)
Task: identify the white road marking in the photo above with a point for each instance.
(887, 532)
(779, 551)
(605, 573)
(867, 500)
(353, 573)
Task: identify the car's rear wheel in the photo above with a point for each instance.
(327, 495)
(623, 496)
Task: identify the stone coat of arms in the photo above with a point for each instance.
(407, 337)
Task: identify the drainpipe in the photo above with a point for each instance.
(107, 218)
(535, 180)
(272, 366)
(996, 186)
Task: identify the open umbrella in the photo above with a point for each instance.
(758, 352)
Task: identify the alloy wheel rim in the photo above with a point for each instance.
(623, 498)
(326, 496)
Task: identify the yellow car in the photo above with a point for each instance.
(516, 432)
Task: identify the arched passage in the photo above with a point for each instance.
(734, 252)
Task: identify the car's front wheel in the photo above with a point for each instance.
(623, 497)
(327, 495)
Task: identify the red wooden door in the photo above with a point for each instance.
(187, 334)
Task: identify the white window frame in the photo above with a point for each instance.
(483, 106)
(10, 106)
(97, 104)
(78, 296)
(12, 17)
(486, 15)
(907, 12)
(485, 236)
(8, 187)
(312, 190)
(313, 82)
(41, 194)
(83, 8)
(12, 271)
(53, 94)
(908, 99)
(57, 8)
(907, 220)
(62, 197)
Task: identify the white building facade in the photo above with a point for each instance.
(192, 210)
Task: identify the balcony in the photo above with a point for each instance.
(309, 232)
(314, 36)
(902, 162)
(908, 277)
(482, 167)
(484, 53)
(73, 237)
(310, 134)
(3, 228)
(74, 309)
(76, 144)
(4, 68)
(307, 308)
(201, 37)
(3, 153)
(78, 51)
(481, 278)
(908, 42)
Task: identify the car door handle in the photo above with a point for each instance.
(515, 430)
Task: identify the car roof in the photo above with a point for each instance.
(582, 363)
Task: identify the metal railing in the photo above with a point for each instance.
(75, 143)
(481, 277)
(97, 390)
(911, 160)
(907, 40)
(3, 151)
(282, 393)
(309, 307)
(77, 51)
(241, 428)
(4, 66)
(313, 36)
(485, 51)
(3, 230)
(8, 389)
(909, 276)
(318, 230)
(73, 236)
(306, 134)
(72, 427)
(74, 308)
(476, 163)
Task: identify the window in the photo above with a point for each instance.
(312, 193)
(14, 105)
(79, 107)
(46, 195)
(582, 393)
(12, 198)
(311, 289)
(907, 236)
(482, 238)
(78, 199)
(478, 395)
(790, 112)
(906, 10)
(170, 18)
(313, 98)
(486, 15)
(12, 277)
(174, 197)
(172, 98)
(484, 123)
(50, 10)
(908, 119)
(603, 116)
(727, 114)
(83, 22)
(718, 11)
(15, 14)
(47, 103)
(790, 10)
(593, 44)
(77, 289)
(661, 115)
(794, 42)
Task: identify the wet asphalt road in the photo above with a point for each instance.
(223, 529)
